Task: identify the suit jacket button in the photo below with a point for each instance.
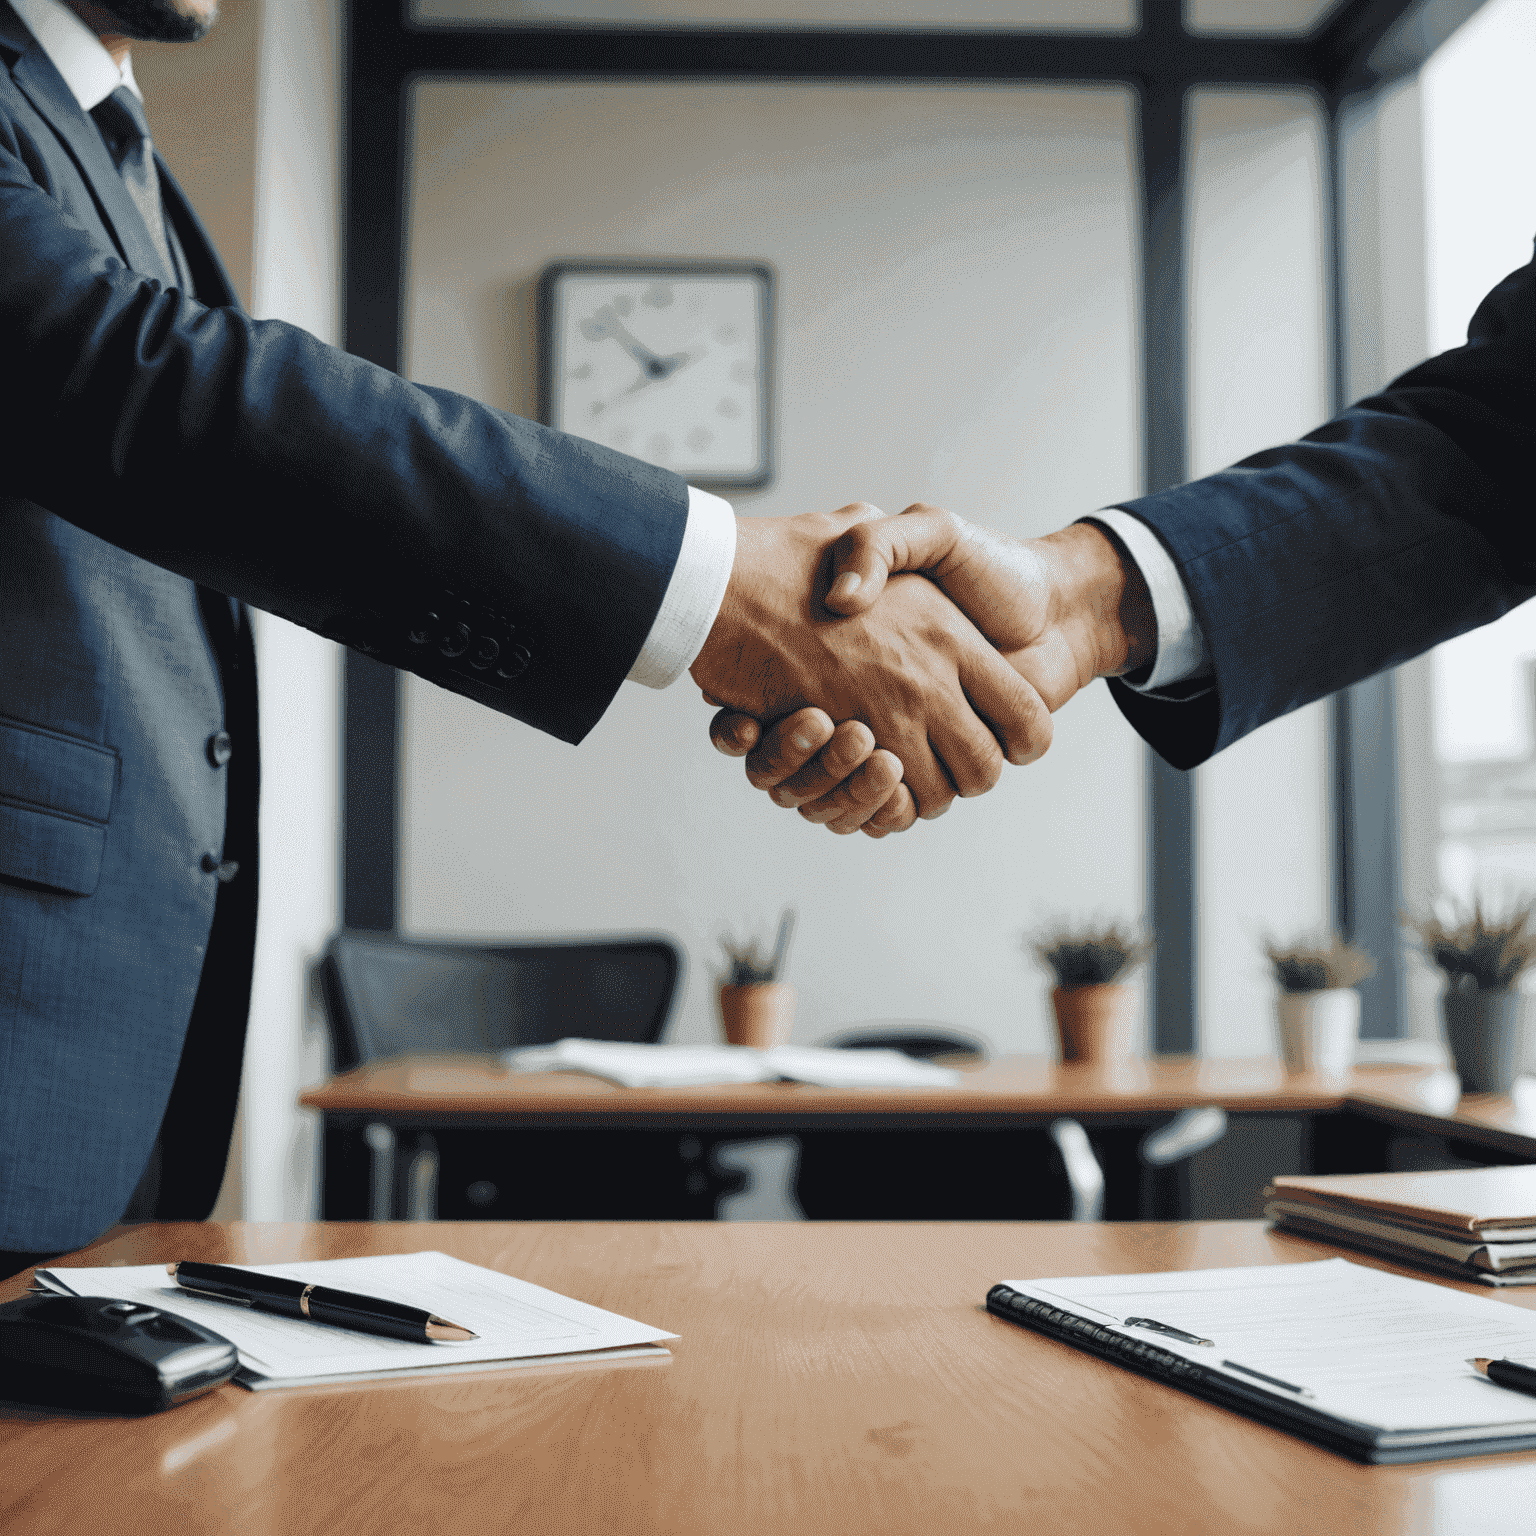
(485, 652)
(455, 642)
(513, 660)
(220, 748)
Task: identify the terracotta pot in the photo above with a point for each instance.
(1319, 1030)
(760, 1016)
(1096, 1023)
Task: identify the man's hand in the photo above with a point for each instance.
(1064, 609)
(834, 776)
(914, 669)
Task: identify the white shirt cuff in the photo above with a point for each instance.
(694, 594)
(1181, 655)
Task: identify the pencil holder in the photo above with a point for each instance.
(760, 1014)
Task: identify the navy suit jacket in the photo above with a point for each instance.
(1407, 520)
(163, 455)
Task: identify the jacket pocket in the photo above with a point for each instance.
(55, 802)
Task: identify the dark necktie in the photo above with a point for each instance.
(126, 130)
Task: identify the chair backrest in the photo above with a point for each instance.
(922, 1038)
(391, 997)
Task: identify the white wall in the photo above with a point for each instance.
(956, 322)
(296, 277)
(1257, 372)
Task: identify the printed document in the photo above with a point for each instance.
(518, 1323)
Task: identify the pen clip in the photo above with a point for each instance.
(234, 1301)
(1153, 1326)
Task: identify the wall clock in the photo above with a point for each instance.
(668, 361)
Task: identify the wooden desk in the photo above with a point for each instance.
(832, 1378)
(480, 1089)
(1351, 1121)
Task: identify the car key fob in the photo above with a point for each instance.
(93, 1352)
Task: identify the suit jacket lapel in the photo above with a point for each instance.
(44, 87)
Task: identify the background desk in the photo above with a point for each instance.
(569, 1131)
(840, 1378)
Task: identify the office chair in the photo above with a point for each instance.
(925, 1039)
(385, 996)
(392, 997)
(1060, 1173)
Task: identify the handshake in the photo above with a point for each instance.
(871, 668)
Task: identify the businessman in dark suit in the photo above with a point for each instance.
(1230, 601)
(168, 460)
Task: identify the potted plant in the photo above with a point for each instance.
(1483, 959)
(1095, 1010)
(1318, 1008)
(756, 1007)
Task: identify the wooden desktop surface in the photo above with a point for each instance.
(836, 1378)
(479, 1088)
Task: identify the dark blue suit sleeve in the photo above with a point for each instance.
(511, 563)
(1405, 521)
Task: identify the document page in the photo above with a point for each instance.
(1381, 1350)
(515, 1320)
(632, 1064)
(635, 1065)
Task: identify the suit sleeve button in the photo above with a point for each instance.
(220, 748)
(513, 660)
(455, 642)
(423, 626)
(485, 652)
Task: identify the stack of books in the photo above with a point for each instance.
(1474, 1223)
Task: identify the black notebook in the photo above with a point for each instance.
(1371, 1365)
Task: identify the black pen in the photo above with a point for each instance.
(1505, 1373)
(315, 1303)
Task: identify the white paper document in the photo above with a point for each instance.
(635, 1065)
(518, 1323)
(1379, 1350)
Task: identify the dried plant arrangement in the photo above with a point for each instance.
(1318, 964)
(1090, 957)
(745, 965)
(1478, 952)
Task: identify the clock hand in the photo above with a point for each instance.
(665, 368)
(607, 323)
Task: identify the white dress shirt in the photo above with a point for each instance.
(75, 51)
(708, 551)
(1181, 655)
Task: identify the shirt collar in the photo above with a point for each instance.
(75, 51)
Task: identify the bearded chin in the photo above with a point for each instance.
(157, 21)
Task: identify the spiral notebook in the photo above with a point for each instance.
(1371, 1365)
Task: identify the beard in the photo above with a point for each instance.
(158, 21)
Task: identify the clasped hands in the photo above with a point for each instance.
(871, 668)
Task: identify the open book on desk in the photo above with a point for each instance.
(518, 1323)
(634, 1065)
(1368, 1364)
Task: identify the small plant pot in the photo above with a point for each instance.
(1096, 1023)
(760, 1016)
(1485, 1033)
(1319, 1030)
